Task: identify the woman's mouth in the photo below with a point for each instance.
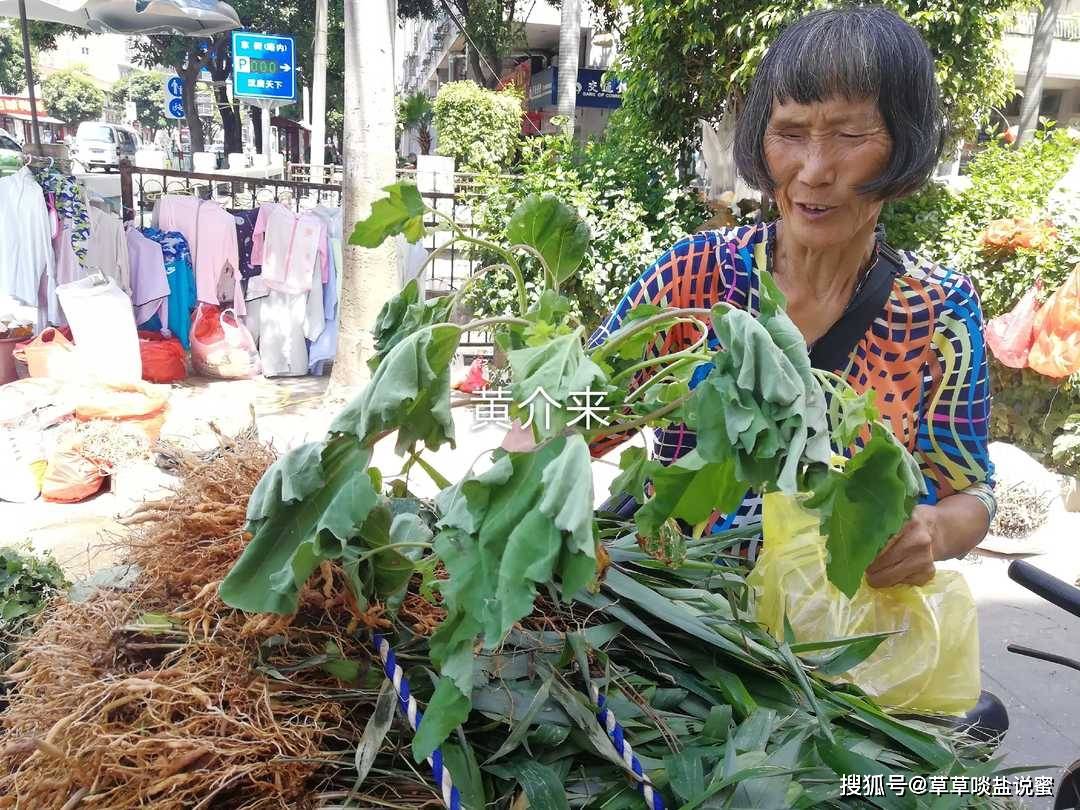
(814, 211)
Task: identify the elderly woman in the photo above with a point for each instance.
(842, 116)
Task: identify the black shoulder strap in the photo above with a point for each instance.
(832, 350)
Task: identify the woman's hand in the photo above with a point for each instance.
(909, 557)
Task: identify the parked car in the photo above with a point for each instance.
(98, 143)
(11, 155)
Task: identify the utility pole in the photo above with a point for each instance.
(318, 93)
(1041, 44)
(370, 277)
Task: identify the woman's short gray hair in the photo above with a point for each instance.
(856, 53)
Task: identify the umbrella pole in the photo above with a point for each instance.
(29, 73)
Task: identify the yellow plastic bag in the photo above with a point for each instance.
(931, 667)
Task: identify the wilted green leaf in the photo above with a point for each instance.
(447, 709)
(548, 375)
(317, 490)
(861, 508)
(402, 211)
(375, 732)
(542, 786)
(689, 488)
(338, 665)
(554, 229)
(403, 315)
(410, 392)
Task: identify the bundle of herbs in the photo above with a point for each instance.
(564, 657)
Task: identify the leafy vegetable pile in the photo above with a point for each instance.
(536, 598)
(27, 582)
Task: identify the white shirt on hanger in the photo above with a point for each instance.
(26, 252)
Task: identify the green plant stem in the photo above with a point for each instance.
(515, 268)
(549, 275)
(481, 273)
(689, 314)
(388, 547)
(641, 389)
(663, 360)
(620, 427)
(485, 322)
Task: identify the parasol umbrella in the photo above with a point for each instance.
(188, 17)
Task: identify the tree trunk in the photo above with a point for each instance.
(191, 106)
(1036, 72)
(318, 93)
(569, 45)
(220, 71)
(256, 126)
(476, 71)
(370, 277)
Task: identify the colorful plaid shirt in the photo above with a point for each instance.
(923, 357)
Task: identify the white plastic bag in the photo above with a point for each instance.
(103, 326)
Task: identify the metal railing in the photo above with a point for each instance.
(301, 172)
(1067, 26)
(141, 188)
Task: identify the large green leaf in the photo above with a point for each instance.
(402, 212)
(542, 786)
(447, 709)
(862, 507)
(409, 392)
(548, 378)
(403, 315)
(503, 533)
(760, 404)
(310, 502)
(554, 229)
(689, 488)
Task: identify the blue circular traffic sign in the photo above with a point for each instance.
(175, 86)
(176, 108)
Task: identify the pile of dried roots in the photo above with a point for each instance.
(160, 696)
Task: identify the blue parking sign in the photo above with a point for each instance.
(263, 66)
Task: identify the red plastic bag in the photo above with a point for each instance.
(70, 476)
(163, 358)
(1056, 349)
(221, 346)
(1010, 336)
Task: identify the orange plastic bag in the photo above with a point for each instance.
(137, 404)
(163, 358)
(221, 346)
(1009, 336)
(70, 476)
(1055, 351)
(50, 354)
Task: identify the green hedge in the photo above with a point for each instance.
(625, 188)
(477, 127)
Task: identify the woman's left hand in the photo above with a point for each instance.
(909, 557)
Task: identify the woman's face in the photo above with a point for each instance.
(818, 155)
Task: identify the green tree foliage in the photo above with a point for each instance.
(147, 90)
(12, 67)
(415, 112)
(695, 59)
(477, 127)
(626, 189)
(72, 97)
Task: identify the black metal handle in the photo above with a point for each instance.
(1053, 658)
(1050, 588)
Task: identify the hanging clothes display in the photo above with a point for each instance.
(26, 252)
(149, 280)
(181, 277)
(107, 249)
(210, 231)
(244, 220)
(324, 348)
(69, 199)
(287, 298)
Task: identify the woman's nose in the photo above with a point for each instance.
(818, 164)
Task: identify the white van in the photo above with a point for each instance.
(98, 143)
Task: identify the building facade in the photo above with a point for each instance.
(1061, 89)
(430, 53)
